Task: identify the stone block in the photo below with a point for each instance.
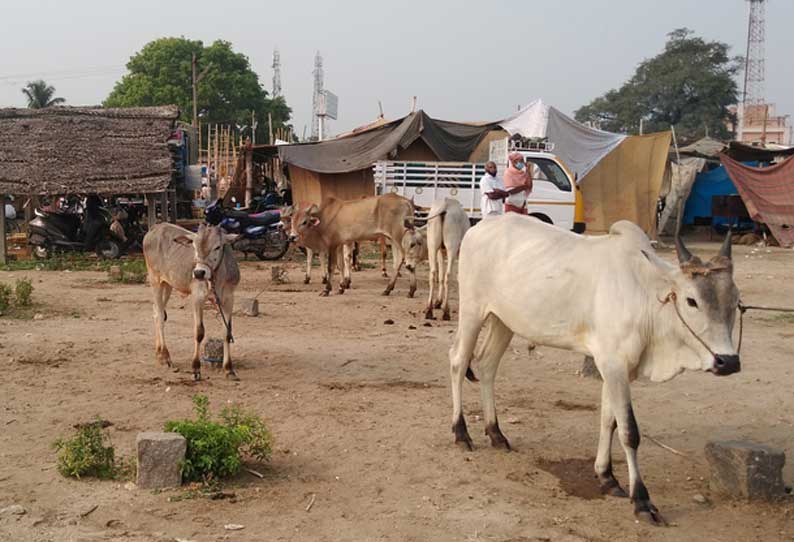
(115, 272)
(746, 470)
(160, 457)
(250, 307)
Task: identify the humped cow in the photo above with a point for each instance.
(447, 223)
(339, 223)
(196, 264)
(610, 297)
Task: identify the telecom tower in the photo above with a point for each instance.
(317, 96)
(754, 61)
(276, 73)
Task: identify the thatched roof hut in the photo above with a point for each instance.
(62, 150)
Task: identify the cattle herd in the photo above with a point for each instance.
(609, 296)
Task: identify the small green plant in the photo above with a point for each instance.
(215, 448)
(5, 297)
(23, 292)
(88, 453)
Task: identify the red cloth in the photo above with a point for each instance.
(768, 194)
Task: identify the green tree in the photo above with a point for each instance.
(161, 74)
(41, 95)
(689, 85)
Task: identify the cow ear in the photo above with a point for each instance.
(185, 240)
(314, 221)
(408, 222)
(229, 238)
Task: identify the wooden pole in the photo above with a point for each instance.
(164, 206)
(249, 175)
(766, 117)
(198, 136)
(3, 229)
(270, 126)
(151, 212)
(194, 80)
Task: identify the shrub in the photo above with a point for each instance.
(23, 292)
(88, 453)
(5, 297)
(214, 449)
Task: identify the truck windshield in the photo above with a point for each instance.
(548, 170)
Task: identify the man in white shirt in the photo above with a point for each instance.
(493, 193)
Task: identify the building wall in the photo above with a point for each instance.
(778, 128)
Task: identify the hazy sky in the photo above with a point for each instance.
(464, 60)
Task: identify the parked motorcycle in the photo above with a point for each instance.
(82, 227)
(260, 233)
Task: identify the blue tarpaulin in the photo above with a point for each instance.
(715, 182)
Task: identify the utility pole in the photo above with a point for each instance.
(196, 79)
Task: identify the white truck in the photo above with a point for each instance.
(553, 197)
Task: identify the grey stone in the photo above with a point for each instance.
(700, 499)
(250, 307)
(160, 456)
(14, 510)
(213, 351)
(589, 368)
(746, 470)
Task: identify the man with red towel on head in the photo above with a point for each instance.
(518, 183)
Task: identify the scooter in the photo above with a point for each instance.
(52, 231)
(261, 233)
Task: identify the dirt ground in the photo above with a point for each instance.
(361, 414)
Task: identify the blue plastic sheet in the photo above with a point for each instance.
(715, 182)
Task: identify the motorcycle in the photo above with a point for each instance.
(53, 230)
(260, 233)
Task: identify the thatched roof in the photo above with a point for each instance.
(85, 150)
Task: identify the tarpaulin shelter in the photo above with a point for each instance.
(768, 194)
(715, 182)
(620, 176)
(342, 167)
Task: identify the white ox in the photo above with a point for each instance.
(195, 264)
(447, 223)
(610, 297)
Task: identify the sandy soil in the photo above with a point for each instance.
(361, 414)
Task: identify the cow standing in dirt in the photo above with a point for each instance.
(339, 223)
(610, 297)
(447, 223)
(196, 264)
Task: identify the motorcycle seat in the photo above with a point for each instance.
(265, 218)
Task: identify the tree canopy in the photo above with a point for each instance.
(41, 95)
(161, 74)
(689, 85)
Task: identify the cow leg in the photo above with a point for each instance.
(382, 242)
(459, 358)
(603, 463)
(497, 339)
(307, 277)
(616, 383)
(347, 265)
(399, 259)
(228, 308)
(329, 257)
(161, 291)
(445, 289)
(198, 328)
(439, 272)
(431, 256)
(356, 258)
(323, 257)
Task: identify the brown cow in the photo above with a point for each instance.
(339, 223)
(195, 264)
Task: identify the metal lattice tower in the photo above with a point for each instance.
(754, 61)
(276, 73)
(318, 90)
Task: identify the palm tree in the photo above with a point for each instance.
(40, 95)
